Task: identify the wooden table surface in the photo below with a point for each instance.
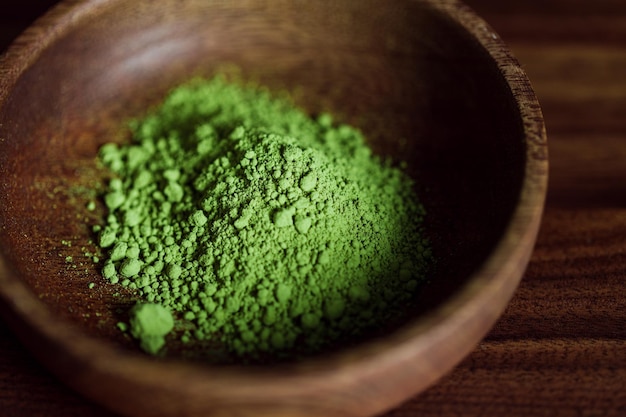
(560, 348)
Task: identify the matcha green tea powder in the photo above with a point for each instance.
(257, 225)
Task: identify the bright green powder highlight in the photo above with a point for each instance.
(257, 225)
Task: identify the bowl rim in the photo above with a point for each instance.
(344, 369)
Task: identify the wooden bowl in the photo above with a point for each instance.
(426, 80)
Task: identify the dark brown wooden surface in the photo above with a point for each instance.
(560, 348)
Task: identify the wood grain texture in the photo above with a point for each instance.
(559, 348)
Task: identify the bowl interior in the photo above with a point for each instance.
(420, 88)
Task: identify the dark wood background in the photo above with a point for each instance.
(560, 348)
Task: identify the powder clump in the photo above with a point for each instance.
(259, 225)
(150, 323)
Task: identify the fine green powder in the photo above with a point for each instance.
(257, 225)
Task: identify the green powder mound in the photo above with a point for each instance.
(260, 226)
